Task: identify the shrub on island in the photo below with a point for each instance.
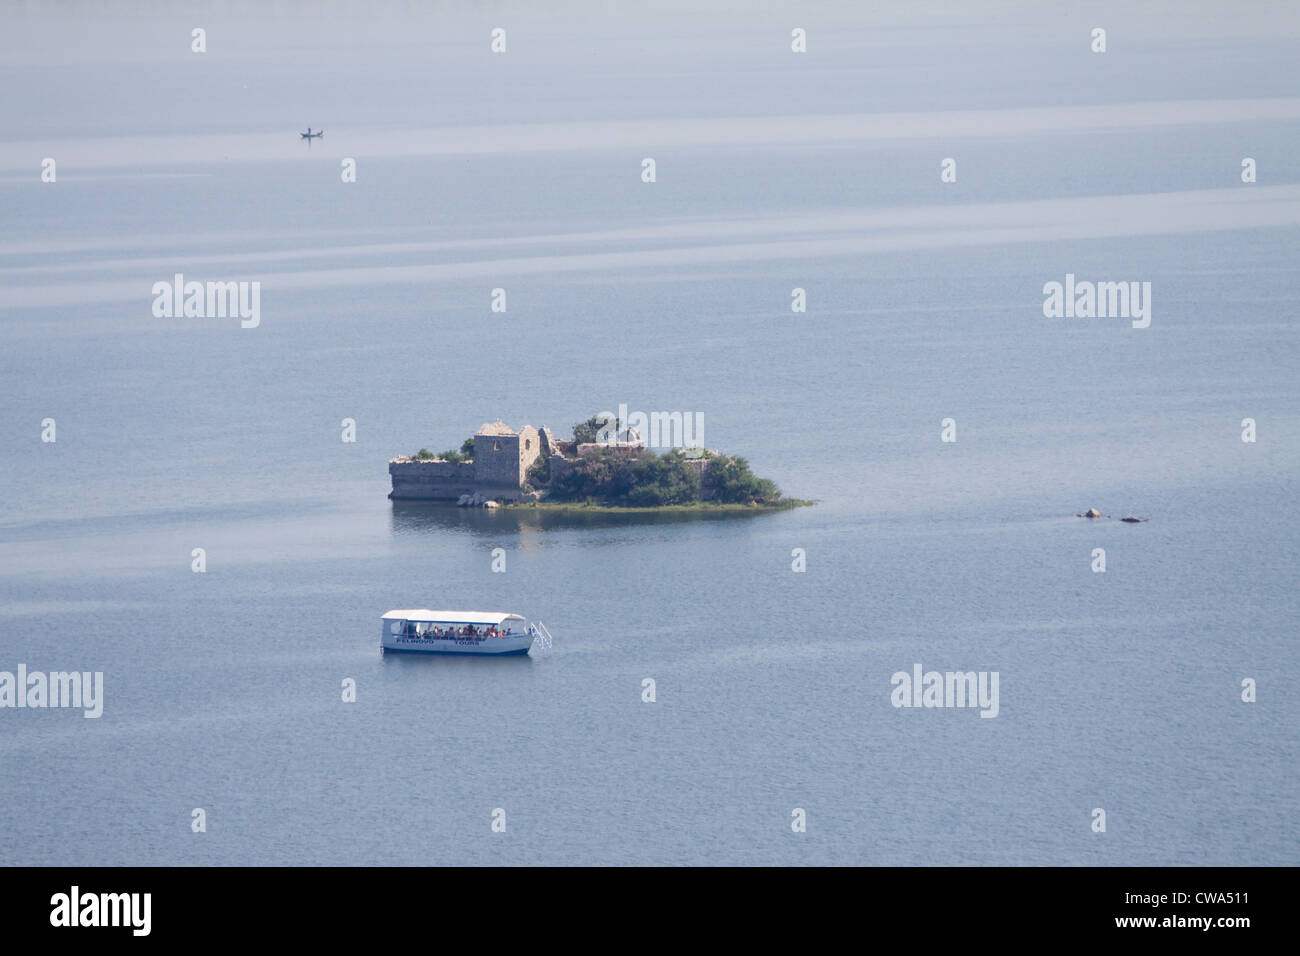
(648, 480)
(466, 453)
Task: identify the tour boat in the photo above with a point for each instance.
(460, 632)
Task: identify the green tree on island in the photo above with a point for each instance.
(588, 432)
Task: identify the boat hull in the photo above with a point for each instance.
(484, 646)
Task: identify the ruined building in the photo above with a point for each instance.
(500, 466)
(501, 460)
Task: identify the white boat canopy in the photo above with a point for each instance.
(425, 616)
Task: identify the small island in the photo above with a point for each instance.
(601, 467)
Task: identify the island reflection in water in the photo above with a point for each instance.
(417, 517)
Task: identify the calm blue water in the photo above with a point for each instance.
(1118, 690)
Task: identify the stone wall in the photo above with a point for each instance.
(547, 443)
(559, 465)
(500, 467)
(445, 481)
(496, 458)
(431, 480)
(621, 450)
(529, 449)
(503, 460)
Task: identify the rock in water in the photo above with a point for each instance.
(1132, 520)
(1090, 513)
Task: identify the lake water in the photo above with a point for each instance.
(1119, 690)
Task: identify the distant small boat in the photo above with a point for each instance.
(310, 135)
(460, 632)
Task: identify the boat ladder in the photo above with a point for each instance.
(540, 634)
